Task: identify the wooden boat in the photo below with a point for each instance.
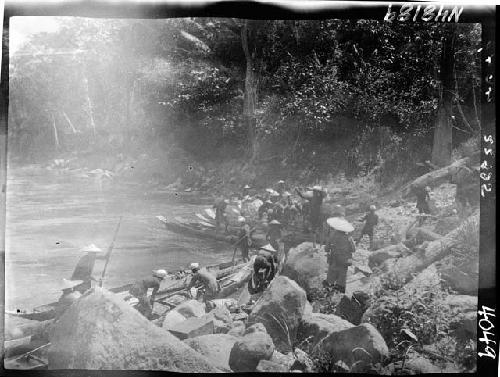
(191, 197)
(171, 285)
(197, 229)
(26, 352)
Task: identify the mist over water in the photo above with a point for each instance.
(50, 216)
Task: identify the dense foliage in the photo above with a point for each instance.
(366, 90)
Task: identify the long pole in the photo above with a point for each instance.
(110, 249)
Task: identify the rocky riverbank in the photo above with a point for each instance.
(414, 325)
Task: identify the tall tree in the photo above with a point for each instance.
(442, 145)
(250, 96)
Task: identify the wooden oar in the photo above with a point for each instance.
(110, 250)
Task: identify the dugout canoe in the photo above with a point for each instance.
(198, 230)
(173, 284)
(26, 352)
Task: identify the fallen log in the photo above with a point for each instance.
(379, 256)
(405, 267)
(423, 235)
(435, 177)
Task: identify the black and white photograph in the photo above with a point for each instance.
(224, 194)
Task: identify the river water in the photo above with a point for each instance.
(51, 215)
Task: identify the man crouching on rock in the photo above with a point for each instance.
(209, 281)
(339, 252)
(140, 291)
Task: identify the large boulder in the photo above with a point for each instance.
(222, 319)
(172, 318)
(222, 314)
(378, 257)
(316, 326)
(193, 327)
(101, 331)
(307, 267)
(248, 351)
(362, 344)
(302, 361)
(268, 366)
(285, 360)
(215, 347)
(352, 308)
(280, 309)
(191, 308)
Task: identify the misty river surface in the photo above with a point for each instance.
(51, 215)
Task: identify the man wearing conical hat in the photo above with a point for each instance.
(339, 252)
(274, 196)
(264, 208)
(244, 238)
(140, 290)
(207, 279)
(245, 192)
(220, 206)
(85, 267)
(264, 265)
(273, 235)
(280, 187)
(371, 220)
(315, 202)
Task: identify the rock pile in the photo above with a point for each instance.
(101, 331)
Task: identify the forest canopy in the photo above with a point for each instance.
(339, 95)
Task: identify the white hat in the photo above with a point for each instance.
(241, 219)
(194, 266)
(286, 193)
(269, 202)
(91, 249)
(246, 187)
(67, 284)
(160, 273)
(317, 188)
(340, 224)
(268, 247)
(281, 181)
(275, 222)
(269, 190)
(372, 208)
(275, 193)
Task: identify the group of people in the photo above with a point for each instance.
(280, 211)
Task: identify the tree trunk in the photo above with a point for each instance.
(441, 149)
(89, 106)
(436, 177)
(56, 136)
(406, 267)
(250, 96)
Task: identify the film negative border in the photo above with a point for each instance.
(388, 11)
